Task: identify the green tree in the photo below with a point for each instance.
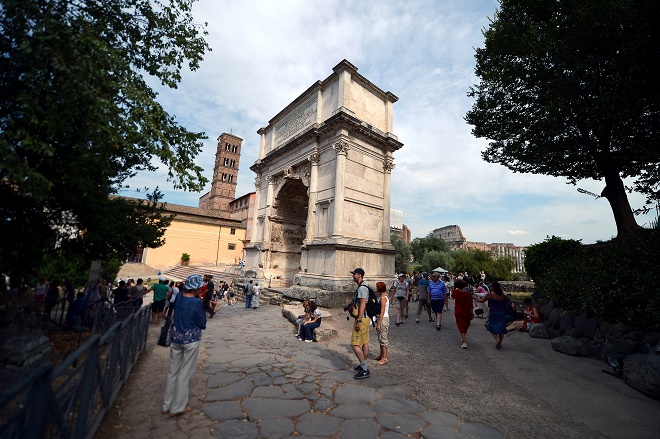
(402, 258)
(77, 119)
(420, 246)
(435, 259)
(569, 88)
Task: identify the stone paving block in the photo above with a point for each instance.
(222, 379)
(318, 424)
(480, 431)
(307, 387)
(397, 406)
(260, 379)
(354, 394)
(441, 418)
(441, 432)
(340, 376)
(267, 392)
(223, 410)
(323, 404)
(404, 423)
(360, 429)
(378, 381)
(279, 381)
(354, 411)
(392, 435)
(294, 394)
(236, 430)
(395, 392)
(273, 408)
(276, 427)
(231, 391)
(327, 391)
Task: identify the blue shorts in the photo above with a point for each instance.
(437, 305)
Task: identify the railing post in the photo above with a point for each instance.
(87, 389)
(36, 418)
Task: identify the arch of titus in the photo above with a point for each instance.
(322, 203)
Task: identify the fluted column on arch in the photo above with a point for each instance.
(313, 187)
(341, 147)
(257, 203)
(388, 165)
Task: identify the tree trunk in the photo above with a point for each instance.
(615, 193)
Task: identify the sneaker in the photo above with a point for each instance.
(357, 367)
(464, 345)
(397, 323)
(308, 341)
(362, 374)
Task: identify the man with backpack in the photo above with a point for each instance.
(360, 334)
(247, 289)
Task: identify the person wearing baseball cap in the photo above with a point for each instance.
(360, 334)
(187, 325)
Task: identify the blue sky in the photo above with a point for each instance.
(266, 53)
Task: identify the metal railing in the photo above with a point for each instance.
(70, 400)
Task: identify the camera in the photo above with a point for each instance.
(350, 307)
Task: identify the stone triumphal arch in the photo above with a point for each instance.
(322, 202)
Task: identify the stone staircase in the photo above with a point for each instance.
(219, 272)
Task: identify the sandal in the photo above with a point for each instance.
(383, 361)
(174, 415)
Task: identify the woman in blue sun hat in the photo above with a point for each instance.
(187, 325)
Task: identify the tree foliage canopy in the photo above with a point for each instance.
(77, 119)
(420, 246)
(475, 261)
(570, 88)
(402, 257)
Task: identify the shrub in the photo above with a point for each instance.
(617, 281)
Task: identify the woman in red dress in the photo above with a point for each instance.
(462, 309)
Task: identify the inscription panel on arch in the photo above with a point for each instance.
(300, 119)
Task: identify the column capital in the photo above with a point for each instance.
(314, 157)
(388, 165)
(341, 147)
(257, 183)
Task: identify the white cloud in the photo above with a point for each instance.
(518, 232)
(266, 53)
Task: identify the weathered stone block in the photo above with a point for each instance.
(537, 330)
(554, 317)
(546, 309)
(589, 328)
(578, 323)
(552, 332)
(642, 372)
(618, 330)
(570, 346)
(566, 322)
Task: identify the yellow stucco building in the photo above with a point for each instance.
(208, 236)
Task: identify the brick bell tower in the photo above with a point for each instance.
(225, 174)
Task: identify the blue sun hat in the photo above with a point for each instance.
(193, 282)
